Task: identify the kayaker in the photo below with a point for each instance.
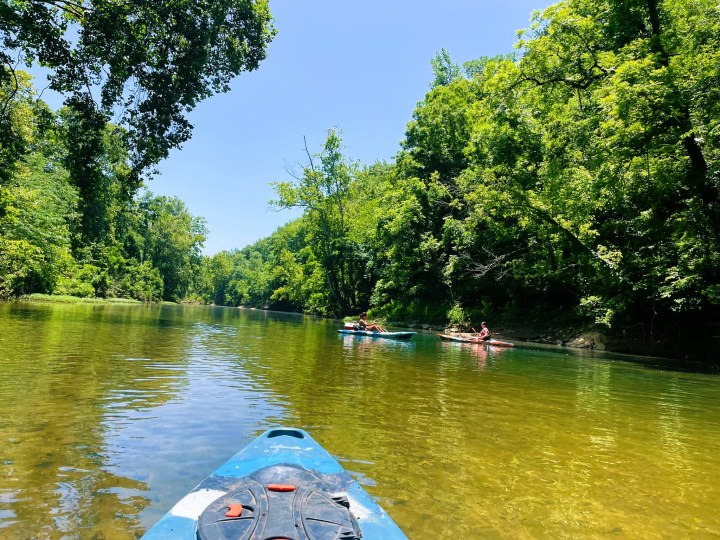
(371, 327)
(485, 332)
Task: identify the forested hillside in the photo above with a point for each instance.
(574, 179)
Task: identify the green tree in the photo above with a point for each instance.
(37, 202)
(149, 62)
(322, 191)
(249, 280)
(422, 196)
(640, 74)
(171, 240)
(213, 285)
(17, 118)
(445, 70)
(98, 162)
(35, 231)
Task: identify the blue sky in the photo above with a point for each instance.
(357, 65)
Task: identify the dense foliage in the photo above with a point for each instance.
(578, 176)
(60, 234)
(73, 217)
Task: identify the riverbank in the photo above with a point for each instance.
(637, 340)
(64, 299)
(698, 354)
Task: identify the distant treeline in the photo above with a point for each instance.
(576, 177)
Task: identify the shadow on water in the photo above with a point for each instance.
(651, 362)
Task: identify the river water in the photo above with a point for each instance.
(110, 413)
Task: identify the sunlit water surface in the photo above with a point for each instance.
(109, 414)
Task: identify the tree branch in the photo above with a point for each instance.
(15, 87)
(310, 159)
(74, 9)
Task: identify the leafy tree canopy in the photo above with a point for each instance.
(148, 62)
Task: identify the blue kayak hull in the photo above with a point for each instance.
(275, 450)
(386, 335)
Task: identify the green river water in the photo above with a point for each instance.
(110, 413)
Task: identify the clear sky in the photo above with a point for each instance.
(357, 65)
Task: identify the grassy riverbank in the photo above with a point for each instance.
(64, 299)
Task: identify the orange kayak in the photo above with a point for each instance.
(475, 339)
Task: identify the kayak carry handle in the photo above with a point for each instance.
(341, 500)
(234, 510)
(282, 488)
(285, 432)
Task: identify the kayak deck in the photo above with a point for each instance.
(282, 485)
(387, 335)
(475, 339)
